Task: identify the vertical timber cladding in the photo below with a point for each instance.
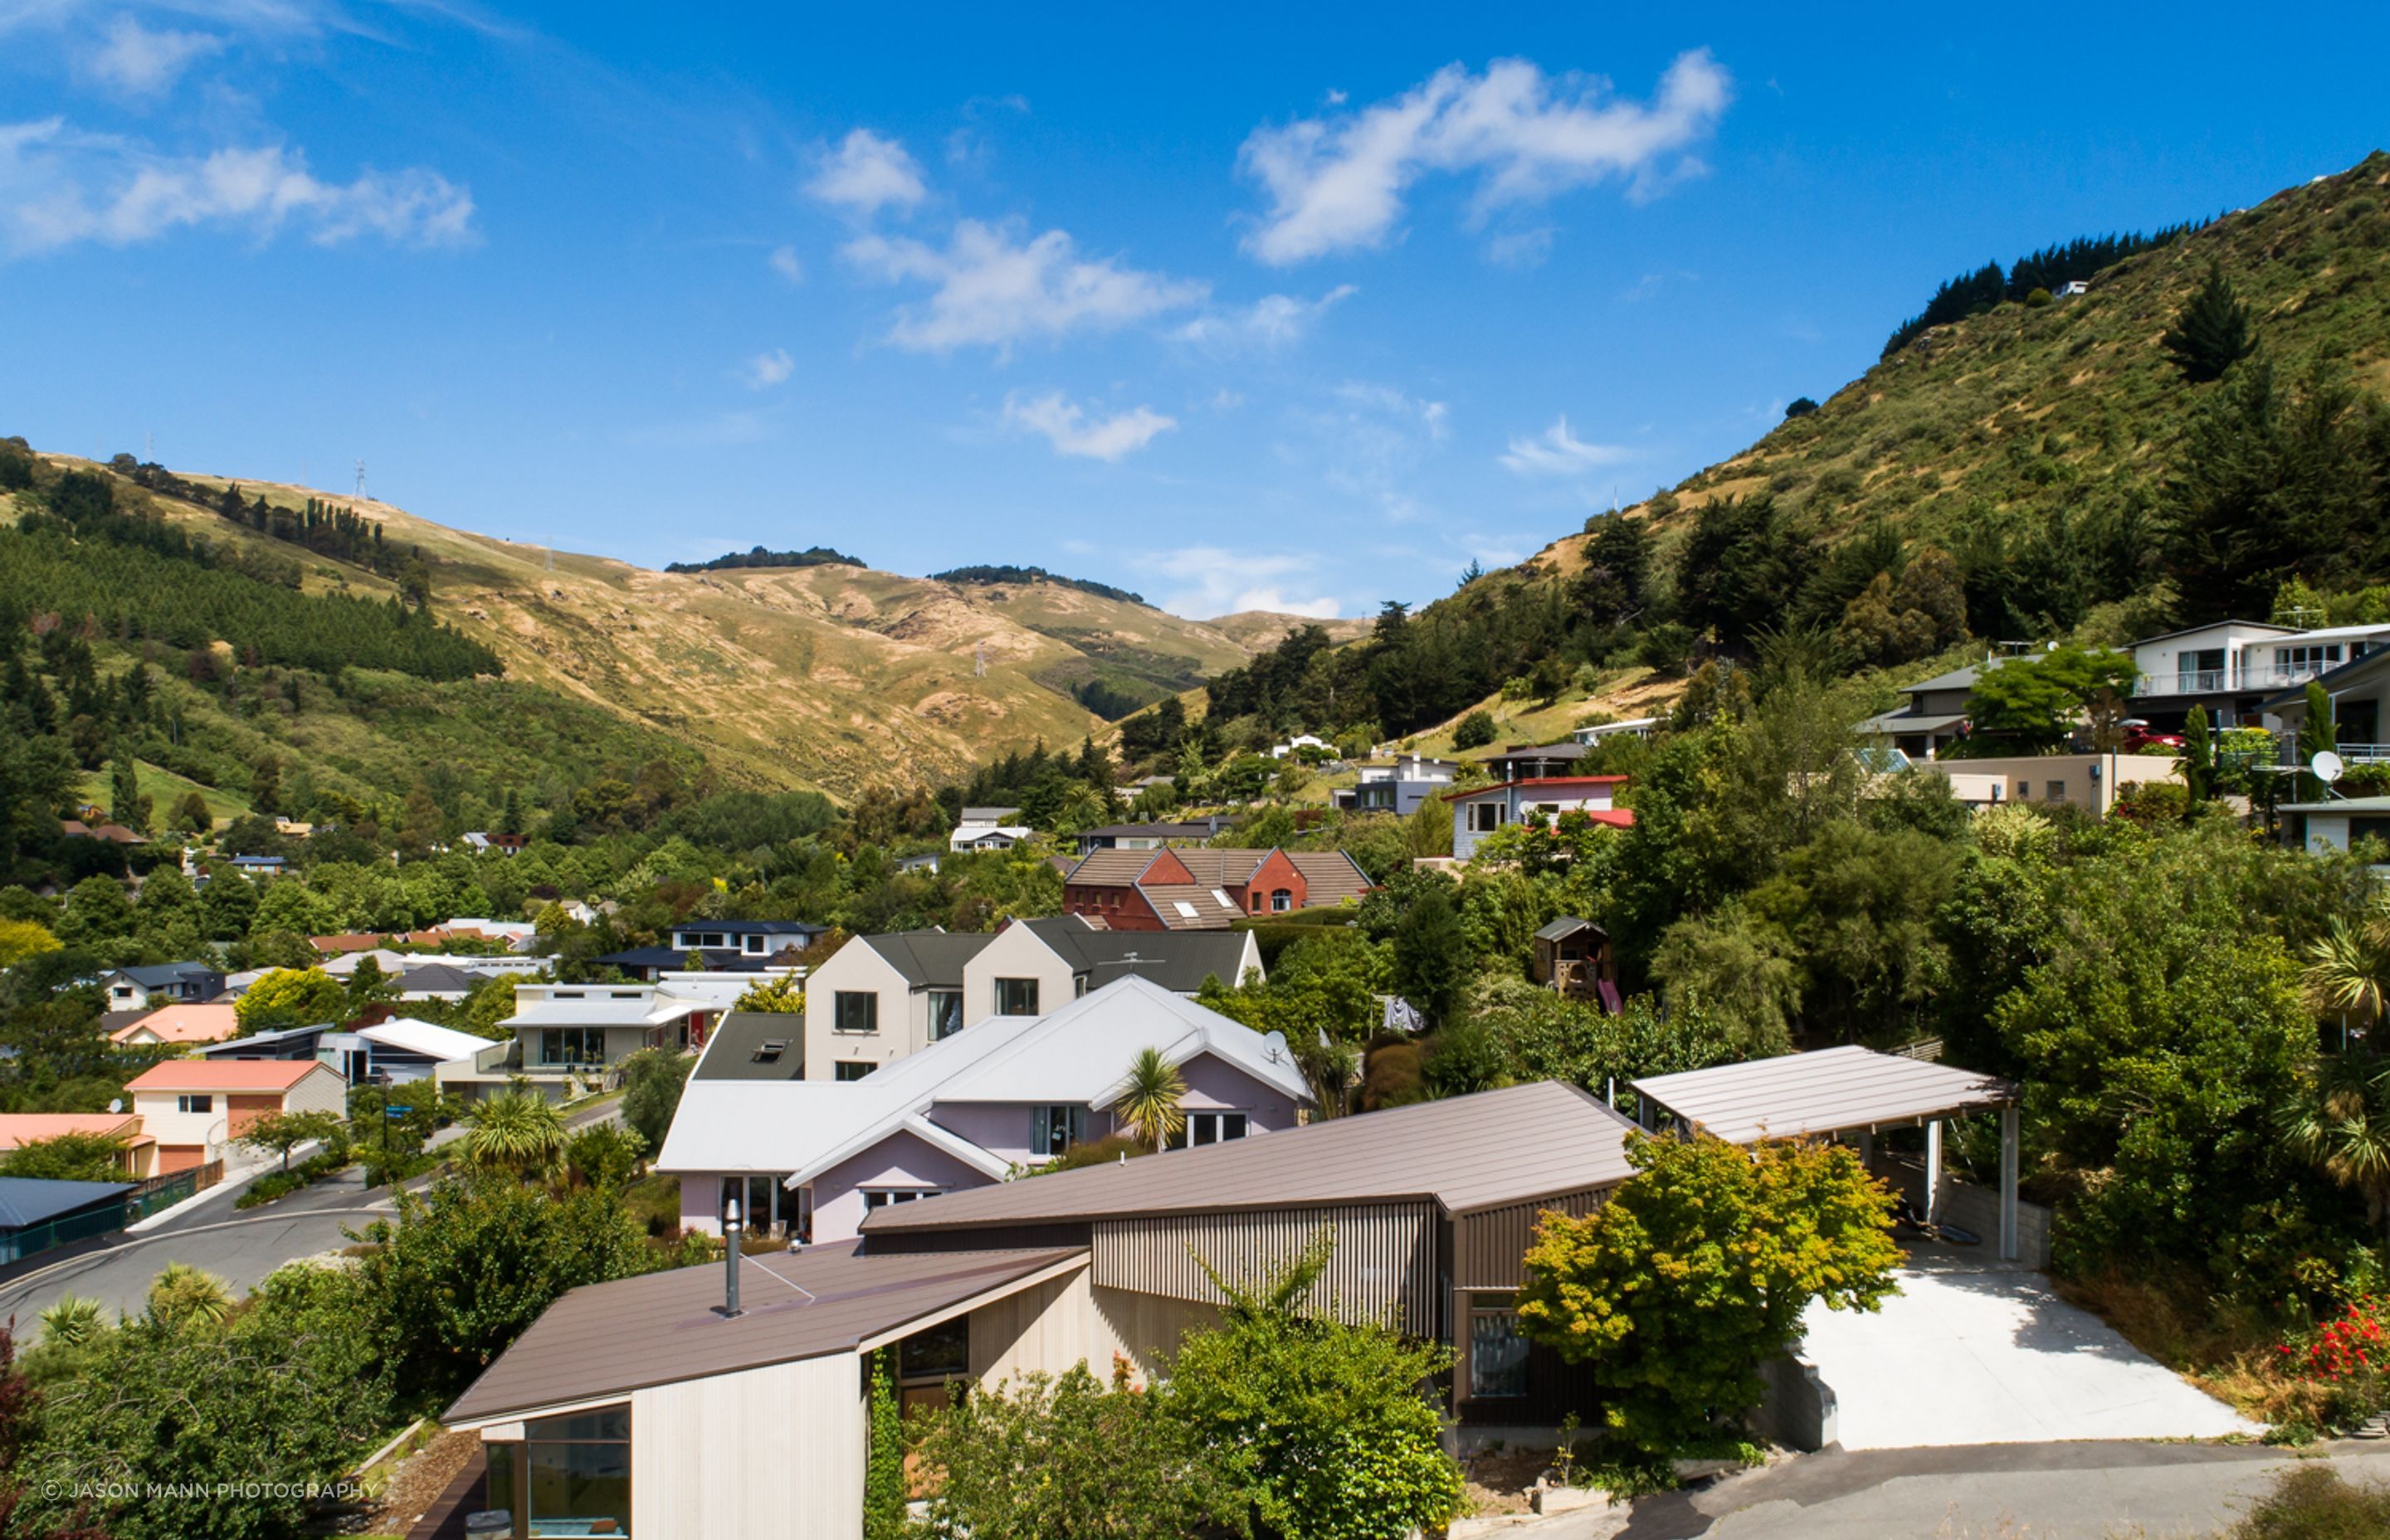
(1490, 1246)
(1382, 1267)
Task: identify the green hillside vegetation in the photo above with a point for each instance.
(2203, 427)
(812, 556)
(984, 576)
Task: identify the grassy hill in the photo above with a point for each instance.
(834, 677)
(2043, 468)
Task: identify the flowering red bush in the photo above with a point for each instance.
(2350, 1350)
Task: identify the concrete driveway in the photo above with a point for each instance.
(1972, 1351)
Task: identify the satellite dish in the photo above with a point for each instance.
(116, 1104)
(2326, 766)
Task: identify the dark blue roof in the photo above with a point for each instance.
(165, 973)
(30, 1200)
(717, 960)
(755, 926)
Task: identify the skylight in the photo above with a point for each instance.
(1186, 910)
(1222, 895)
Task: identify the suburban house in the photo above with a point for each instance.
(166, 983)
(2360, 709)
(482, 841)
(400, 1051)
(966, 1111)
(1430, 1208)
(725, 946)
(1480, 810)
(1598, 733)
(582, 1032)
(1398, 787)
(439, 981)
(255, 866)
(1573, 957)
(139, 1159)
(988, 828)
(880, 997)
(37, 1214)
(114, 834)
(1936, 715)
(2334, 825)
(2237, 669)
(194, 1108)
(1206, 888)
(1300, 742)
(1148, 836)
(2091, 781)
(179, 1025)
(1036, 965)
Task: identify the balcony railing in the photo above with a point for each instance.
(2208, 681)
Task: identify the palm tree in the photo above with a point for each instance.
(516, 1130)
(2342, 1124)
(182, 1293)
(2348, 969)
(1147, 1105)
(74, 1320)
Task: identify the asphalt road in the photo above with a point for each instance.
(2080, 1491)
(241, 1246)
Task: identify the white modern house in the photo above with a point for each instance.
(2232, 667)
(970, 1110)
(1603, 732)
(1398, 787)
(879, 998)
(566, 1034)
(988, 828)
(1480, 811)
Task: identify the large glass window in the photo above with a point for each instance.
(1497, 1354)
(1016, 996)
(572, 1046)
(946, 1013)
(1055, 1129)
(570, 1476)
(195, 1104)
(855, 1010)
(1485, 818)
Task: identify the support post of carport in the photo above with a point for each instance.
(2008, 1183)
(1932, 1170)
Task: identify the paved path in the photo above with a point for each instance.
(2092, 1491)
(1972, 1351)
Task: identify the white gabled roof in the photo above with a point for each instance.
(1077, 1054)
(427, 1038)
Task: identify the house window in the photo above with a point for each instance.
(1055, 1129)
(851, 1068)
(572, 1046)
(769, 1051)
(570, 1475)
(1282, 900)
(855, 1010)
(946, 1013)
(1257, 902)
(2054, 792)
(1016, 996)
(195, 1104)
(754, 946)
(2312, 658)
(1498, 1355)
(1485, 818)
(880, 1198)
(1213, 1127)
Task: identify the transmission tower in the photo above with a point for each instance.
(361, 477)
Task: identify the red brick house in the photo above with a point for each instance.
(1205, 890)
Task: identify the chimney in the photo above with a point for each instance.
(730, 1260)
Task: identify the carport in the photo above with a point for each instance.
(1840, 1091)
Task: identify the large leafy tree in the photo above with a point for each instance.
(291, 997)
(1697, 1270)
(2029, 705)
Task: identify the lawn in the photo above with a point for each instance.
(164, 788)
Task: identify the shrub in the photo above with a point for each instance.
(2311, 1502)
(2147, 803)
(1105, 1463)
(1474, 731)
(2348, 1358)
(1321, 1429)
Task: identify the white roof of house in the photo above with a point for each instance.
(588, 1012)
(424, 1037)
(1078, 1053)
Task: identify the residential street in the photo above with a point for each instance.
(2082, 1491)
(239, 1245)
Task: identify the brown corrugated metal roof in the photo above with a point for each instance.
(1468, 1152)
(1825, 1092)
(610, 1339)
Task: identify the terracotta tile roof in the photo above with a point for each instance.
(184, 1024)
(1183, 909)
(226, 1075)
(20, 1129)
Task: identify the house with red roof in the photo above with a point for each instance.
(195, 1108)
(1203, 888)
(1479, 811)
(140, 1153)
(188, 1024)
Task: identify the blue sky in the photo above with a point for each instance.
(1288, 307)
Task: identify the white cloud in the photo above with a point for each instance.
(139, 62)
(1558, 452)
(59, 187)
(783, 262)
(1337, 183)
(1067, 426)
(1384, 399)
(992, 291)
(1214, 581)
(1270, 322)
(767, 370)
(867, 173)
(1522, 248)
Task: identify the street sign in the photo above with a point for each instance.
(396, 1111)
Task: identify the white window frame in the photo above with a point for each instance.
(1485, 818)
(1217, 1121)
(196, 1101)
(881, 1198)
(1041, 1122)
